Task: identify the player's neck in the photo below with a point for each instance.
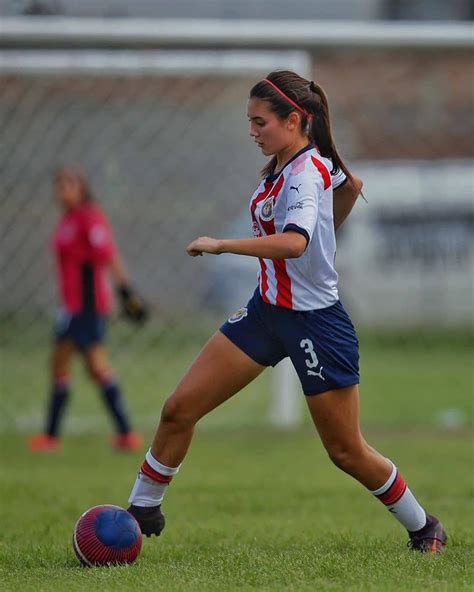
(287, 154)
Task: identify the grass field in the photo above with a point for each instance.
(239, 518)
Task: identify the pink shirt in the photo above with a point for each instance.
(84, 247)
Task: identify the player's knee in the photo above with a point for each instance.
(60, 378)
(176, 412)
(345, 456)
(59, 368)
(98, 373)
(93, 373)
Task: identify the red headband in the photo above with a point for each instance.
(287, 98)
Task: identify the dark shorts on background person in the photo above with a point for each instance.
(83, 329)
(322, 344)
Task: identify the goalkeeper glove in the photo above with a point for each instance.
(132, 306)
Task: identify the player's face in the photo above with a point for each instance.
(67, 190)
(270, 133)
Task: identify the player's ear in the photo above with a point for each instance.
(293, 121)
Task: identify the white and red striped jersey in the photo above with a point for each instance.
(299, 198)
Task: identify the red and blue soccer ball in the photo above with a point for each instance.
(107, 535)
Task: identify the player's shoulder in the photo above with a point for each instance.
(318, 161)
(321, 167)
(300, 166)
(90, 212)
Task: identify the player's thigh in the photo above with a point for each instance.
(62, 354)
(96, 360)
(220, 370)
(336, 417)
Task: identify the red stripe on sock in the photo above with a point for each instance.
(394, 492)
(152, 474)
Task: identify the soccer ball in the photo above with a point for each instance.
(106, 535)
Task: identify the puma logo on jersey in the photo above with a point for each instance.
(318, 374)
(297, 189)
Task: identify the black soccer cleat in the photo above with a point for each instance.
(431, 538)
(151, 520)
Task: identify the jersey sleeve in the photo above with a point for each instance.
(338, 179)
(99, 237)
(302, 193)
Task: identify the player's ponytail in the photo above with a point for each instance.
(286, 92)
(321, 132)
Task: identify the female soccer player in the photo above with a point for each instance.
(294, 312)
(85, 251)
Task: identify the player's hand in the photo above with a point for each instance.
(132, 305)
(204, 244)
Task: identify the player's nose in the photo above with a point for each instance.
(253, 132)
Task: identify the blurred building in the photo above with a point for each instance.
(248, 9)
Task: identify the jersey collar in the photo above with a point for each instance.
(273, 177)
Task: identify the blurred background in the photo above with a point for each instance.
(149, 97)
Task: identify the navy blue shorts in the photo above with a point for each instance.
(83, 329)
(322, 344)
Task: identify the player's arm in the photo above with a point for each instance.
(104, 250)
(285, 245)
(117, 270)
(344, 198)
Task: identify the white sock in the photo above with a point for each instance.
(151, 482)
(401, 502)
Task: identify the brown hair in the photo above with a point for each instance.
(78, 175)
(312, 99)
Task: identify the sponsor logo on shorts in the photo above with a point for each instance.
(238, 315)
(318, 374)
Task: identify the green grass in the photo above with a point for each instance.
(253, 508)
(239, 518)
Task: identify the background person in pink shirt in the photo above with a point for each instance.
(85, 253)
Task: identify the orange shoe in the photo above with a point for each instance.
(44, 443)
(130, 442)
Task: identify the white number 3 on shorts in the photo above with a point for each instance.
(312, 362)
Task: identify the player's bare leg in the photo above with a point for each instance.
(61, 359)
(336, 417)
(100, 370)
(220, 371)
(97, 361)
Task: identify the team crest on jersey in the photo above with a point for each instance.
(267, 212)
(238, 315)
